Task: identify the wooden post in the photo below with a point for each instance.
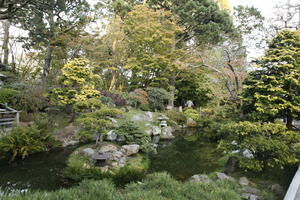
(18, 118)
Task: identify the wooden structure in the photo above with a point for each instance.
(8, 116)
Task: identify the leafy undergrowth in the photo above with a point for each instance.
(265, 179)
(157, 186)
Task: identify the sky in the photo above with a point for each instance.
(265, 6)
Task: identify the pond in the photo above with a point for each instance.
(38, 172)
(186, 155)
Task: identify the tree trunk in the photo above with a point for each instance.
(172, 99)
(6, 26)
(47, 63)
(289, 120)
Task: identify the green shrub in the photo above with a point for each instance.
(138, 97)
(176, 116)
(144, 107)
(33, 98)
(271, 144)
(158, 186)
(133, 134)
(192, 113)
(8, 95)
(23, 141)
(96, 123)
(157, 98)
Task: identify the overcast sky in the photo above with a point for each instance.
(265, 6)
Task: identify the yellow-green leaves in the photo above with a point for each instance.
(78, 86)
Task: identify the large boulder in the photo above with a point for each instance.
(243, 181)
(277, 189)
(222, 176)
(88, 152)
(146, 116)
(131, 149)
(111, 136)
(109, 148)
(190, 122)
(155, 130)
(247, 154)
(166, 133)
(203, 178)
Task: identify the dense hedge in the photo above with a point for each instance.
(158, 186)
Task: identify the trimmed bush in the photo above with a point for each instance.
(157, 186)
(176, 116)
(271, 145)
(133, 134)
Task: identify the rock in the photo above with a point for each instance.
(247, 154)
(108, 149)
(147, 116)
(114, 122)
(120, 139)
(250, 190)
(203, 178)
(243, 181)
(190, 122)
(131, 149)
(155, 130)
(180, 109)
(221, 176)
(155, 139)
(169, 107)
(117, 155)
(277, 189)
(166, 133)
(88, 152)
(111, 136)
(231, 165)
(70, 143)
(250, 196)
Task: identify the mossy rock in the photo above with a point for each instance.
(80, 166)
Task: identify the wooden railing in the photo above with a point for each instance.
(8, 116)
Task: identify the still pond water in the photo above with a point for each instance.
(186, 155)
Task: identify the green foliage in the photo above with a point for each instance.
(144, 107)
(203, 21)
(151, 36)
(193, 85)
(81, 167)
(23, 141)
(157, 98)
(138, 97)
(78, 86)
(133, 134)
(97, 122)
(192, 113)
(273, 90)
(271, 144)
(33, 98)
(7, 95)
(176, 116)
(155, 186)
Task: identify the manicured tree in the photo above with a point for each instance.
(97, 123)
(276, 85)
(78, 86)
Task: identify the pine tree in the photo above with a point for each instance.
(276, 85)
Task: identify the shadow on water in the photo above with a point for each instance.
(186, 155)
(39, 172)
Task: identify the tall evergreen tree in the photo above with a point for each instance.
(274, 89)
